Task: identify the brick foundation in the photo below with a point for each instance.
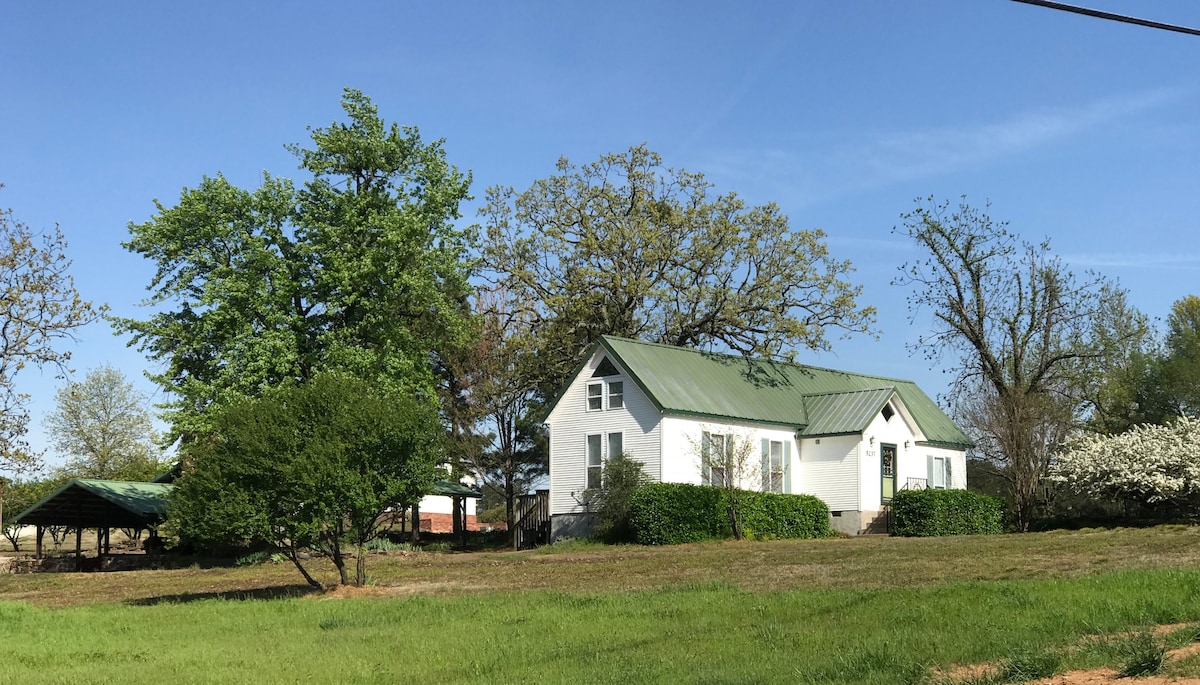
(444, 523)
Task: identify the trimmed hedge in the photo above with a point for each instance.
(674, 513)
(768, 515)
(926, 513)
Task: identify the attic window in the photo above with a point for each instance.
(888, 412)
(605, 368)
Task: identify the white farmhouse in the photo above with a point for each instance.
(850, 439)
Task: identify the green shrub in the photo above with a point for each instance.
(924, 513)
(623, 475)
(674, 513)
(768, 516)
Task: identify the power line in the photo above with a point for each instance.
(1099, 14)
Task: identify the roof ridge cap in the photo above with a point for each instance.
(742, 357)
(849, 392)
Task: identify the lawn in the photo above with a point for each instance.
(832, 611)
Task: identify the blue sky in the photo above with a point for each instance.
(1077, 129)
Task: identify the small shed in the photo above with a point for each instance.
(100, 504)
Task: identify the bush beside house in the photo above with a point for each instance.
(926, 513)
(675, 513)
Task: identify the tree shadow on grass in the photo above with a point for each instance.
(273, 592)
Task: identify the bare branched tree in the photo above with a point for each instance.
(1027, 332)
(728, 460)
(39, 309)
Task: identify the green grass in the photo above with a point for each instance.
(704, 633)
(827, 611)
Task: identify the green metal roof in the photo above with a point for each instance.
(844, 412)
(451, 489)
(724, 386)
(86, 503)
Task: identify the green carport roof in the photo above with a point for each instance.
(451, 489)
(85, 503)
(724, 386)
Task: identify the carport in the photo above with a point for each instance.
(99, 504)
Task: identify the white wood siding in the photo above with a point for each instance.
(570, 423)
(829, 469)
(896, 431)
(958, 460)
(681, 448)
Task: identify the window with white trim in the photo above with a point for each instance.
(616, 444)
(773, 473)
(941, 476)
(595, 460)
(715, 454)
(597, 456)
(616, 394)
(595, 396)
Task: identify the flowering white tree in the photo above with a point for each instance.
(1148, 464)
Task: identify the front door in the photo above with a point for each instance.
(887, 471)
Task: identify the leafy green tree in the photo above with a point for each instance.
(39, 308)
(317, 466)
(102, 426)
(626, 246)
(1156, 382)
(1028, 334)
(19, 495)
(1181, 368)
(361, 270)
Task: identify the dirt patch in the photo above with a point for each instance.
(1107, 675)
(977, 672)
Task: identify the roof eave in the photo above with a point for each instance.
(945, 444)
(721, 417)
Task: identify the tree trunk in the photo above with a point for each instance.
(360, 566)
(510, 507)
(335, 546)
(295, 557)
(733, 521)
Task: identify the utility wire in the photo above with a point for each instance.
(1099, 14)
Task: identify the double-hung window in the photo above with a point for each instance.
(941, 476)
(595, 460)
(616, 394)
(595, 396)
(715, 452)
(616, 444)
(772, 466)
(596, 455)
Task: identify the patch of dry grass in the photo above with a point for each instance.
(767, 566)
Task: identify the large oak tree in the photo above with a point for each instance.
(627, 246)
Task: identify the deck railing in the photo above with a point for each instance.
(532, 520)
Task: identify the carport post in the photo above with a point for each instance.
(79, 535)
(41, 531)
